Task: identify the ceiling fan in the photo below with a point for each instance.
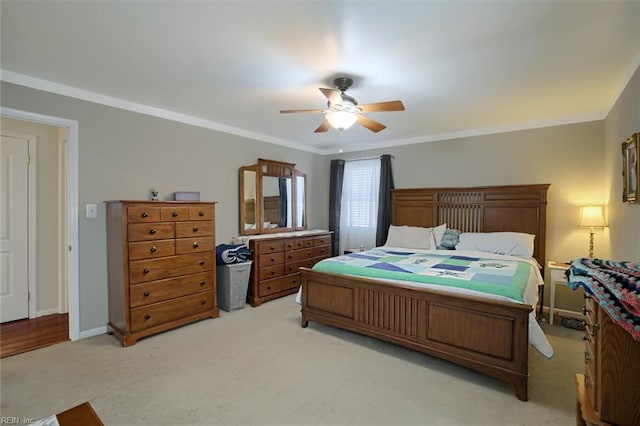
(343, 110)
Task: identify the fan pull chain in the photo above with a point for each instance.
(340, 132)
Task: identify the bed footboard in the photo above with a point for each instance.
(487, 336)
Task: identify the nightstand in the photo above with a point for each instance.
(556, 273)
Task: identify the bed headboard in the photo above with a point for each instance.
(514, 208)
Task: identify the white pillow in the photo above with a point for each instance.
(510, 243)
(415, 237)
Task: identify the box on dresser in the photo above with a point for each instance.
(277, 259)
(161, 266)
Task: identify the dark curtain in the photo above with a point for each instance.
(335, 197)
(384, 200)
(282, 186)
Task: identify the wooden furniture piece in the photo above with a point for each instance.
(556, 273)
(277, 259)
(162, 266)
(607, 393)
(80, 415)
(488, 336)
(272, 198)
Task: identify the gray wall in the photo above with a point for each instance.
(568, 157)
(624, 219)
(123, 154)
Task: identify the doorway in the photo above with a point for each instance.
(68, 294)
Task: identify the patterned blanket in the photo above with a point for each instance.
(615, 285)
(496, 276)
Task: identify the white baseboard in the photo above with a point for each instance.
(93, 332)
(45, 312)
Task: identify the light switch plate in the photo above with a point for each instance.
(92, 211)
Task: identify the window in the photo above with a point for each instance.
(359, 204)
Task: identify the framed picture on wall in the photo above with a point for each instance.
(631, 169)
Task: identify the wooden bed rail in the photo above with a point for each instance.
(487, 336)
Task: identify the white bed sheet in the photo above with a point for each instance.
(537, 338)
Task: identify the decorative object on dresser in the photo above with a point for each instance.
(488, 336)
(162, 266)
(607, 393)
(277, 259)
(591, 217)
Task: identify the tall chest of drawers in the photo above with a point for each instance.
(608, 390)
(276, 262)
(161, 265)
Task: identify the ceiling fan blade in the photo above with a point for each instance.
(291, 111)
(323, 127)
(370, 124)
(333, 95)
(383, 106)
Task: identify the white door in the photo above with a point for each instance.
(14, 183)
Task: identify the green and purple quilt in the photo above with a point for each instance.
(488, 275)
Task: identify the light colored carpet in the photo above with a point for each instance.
(258, 366)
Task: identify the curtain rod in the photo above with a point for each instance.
(367, 158)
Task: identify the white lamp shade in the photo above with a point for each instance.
(591, 217)
(341, 119)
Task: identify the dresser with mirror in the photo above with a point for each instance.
(273, 215)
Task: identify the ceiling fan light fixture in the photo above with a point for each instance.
(341, 120)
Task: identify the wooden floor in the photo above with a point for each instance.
(26, 335)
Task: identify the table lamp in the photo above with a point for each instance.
(591, 217)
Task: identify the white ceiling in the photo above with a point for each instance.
(460, 67)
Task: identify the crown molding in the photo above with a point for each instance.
(61, 89)
(85, 95)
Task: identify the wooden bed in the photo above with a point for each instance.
(491, 337)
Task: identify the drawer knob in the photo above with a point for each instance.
(153, 249)
(146, 270)
(145, 214)
(273, 272)
(146, 294)
(195, 244)
(174, 214)
(152, 231)
(147, 316)
(272, 248)
(290, 257)
(203, 302)
(202, 262)
(268, 287)
(294, 281)
(200, 214)
(202, 282)
(195, 229)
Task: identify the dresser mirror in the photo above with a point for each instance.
(272, 198)
(248, 197)
(301, 191)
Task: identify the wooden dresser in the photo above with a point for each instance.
(276, 260)
(608, 391)
(162, 266)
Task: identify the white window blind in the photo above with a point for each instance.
(359, 204)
